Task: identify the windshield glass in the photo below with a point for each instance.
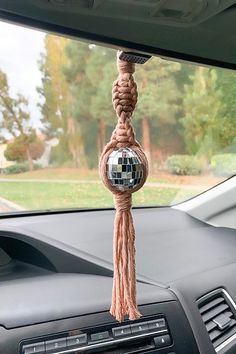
(56, 116)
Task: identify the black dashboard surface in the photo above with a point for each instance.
(170, 244)
(55, 296)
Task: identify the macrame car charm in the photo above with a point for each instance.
(124, 169)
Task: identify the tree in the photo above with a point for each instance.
(25, 148)
(54, 99)
(226, 82)
(158, 99)
(15, 122)
(203, 111)
(74, 72)
(101, 72)
(57, 102)
(90, 74)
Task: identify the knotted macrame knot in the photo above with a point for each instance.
(124, 98)
(123, 202)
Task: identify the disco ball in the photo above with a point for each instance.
(124, 169)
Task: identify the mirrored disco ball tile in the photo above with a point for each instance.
(108, 168)
(113, 153)
(124, 169)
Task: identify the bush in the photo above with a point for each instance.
(223, 165)
(16, 168)
(183, 165)
(37, 166)
(20, 168)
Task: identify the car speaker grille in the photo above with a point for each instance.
(218, 313)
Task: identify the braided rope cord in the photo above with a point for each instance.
(124, 98)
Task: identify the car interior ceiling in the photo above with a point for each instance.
(104, 22)
(56, 267)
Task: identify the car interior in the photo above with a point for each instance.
(56, 264)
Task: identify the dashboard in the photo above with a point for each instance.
(56, 281)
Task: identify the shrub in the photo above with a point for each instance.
(20, 168)
(223, 165)
(183, 165)
(16, 168)
(37, 166)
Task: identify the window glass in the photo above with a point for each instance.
(56, 116)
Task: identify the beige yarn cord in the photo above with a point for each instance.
(124, 97)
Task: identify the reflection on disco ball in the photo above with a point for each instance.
(124, 169)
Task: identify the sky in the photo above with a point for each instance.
(20, 50)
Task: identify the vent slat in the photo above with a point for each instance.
(210, 326)
(214, 312)
(219, 317)
(224, 336)
(211, 304)
(216, 333)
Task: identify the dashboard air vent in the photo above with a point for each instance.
(218, 313)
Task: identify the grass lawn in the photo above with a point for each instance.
(57, 173)
(47, 195)
(92, 175)
(67, 188)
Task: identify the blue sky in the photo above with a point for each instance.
(20, 49)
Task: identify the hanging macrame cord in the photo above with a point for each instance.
(124, 169)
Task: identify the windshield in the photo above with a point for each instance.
(56, 116)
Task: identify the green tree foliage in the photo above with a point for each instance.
(203, 111)
(177, 103)
(15, 121)
(74, 73)
(90, 72)
(226, 82)
(158, 101)
(101, 72)
(87, 72)
(57, 103)
(54, 98)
